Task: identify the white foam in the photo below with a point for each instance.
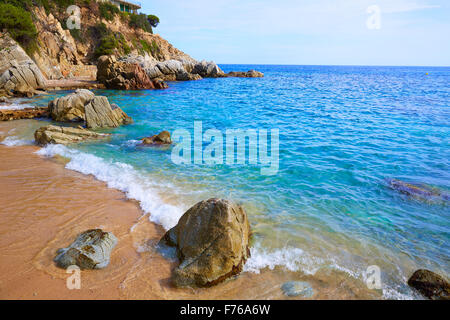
(291, 258)
(122, 177)
(12, 141)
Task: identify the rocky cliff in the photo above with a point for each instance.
(64, 53)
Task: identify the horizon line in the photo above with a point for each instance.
(336, 65)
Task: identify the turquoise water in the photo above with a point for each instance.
(344, 131)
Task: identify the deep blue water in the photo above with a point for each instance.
(343, 132)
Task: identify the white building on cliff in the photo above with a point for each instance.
(126, 5)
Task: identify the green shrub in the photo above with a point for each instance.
(17, 21)
(152, 48)
(140, 21)
(106, 46)
(76, 34)
(108, 11)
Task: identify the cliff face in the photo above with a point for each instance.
(67, 54)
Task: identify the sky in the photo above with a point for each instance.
(308, 32)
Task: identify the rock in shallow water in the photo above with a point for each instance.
(90, 250)
(211, 240)
(297, 288)
(163, 138)
(64, 135)
(430, 284)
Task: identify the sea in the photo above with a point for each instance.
(336, 136)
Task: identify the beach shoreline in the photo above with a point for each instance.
(47, 206)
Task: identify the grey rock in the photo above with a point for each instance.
(297, 288)
(90, 250)
(208, 70)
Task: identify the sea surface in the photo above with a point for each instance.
(343, 133)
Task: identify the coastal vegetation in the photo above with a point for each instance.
(18, 22)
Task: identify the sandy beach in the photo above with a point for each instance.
(45, 206)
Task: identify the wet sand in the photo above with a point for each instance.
(45, 206)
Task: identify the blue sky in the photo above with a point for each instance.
(318, 32)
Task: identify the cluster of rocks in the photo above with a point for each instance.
(211, 240)
(84, 106)
(95, 112)
(143, 72)
(248, 74)
(125, 76)
(19, 74)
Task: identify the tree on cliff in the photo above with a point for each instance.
(153, 20)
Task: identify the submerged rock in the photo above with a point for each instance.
(248, 74)
(211, 241)
(163, 138)
(65, 135)
(297, 288)
(84, 105)
(430, 284)
(90, 250)
(423, 193)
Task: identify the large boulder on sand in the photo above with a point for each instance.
(430, 284)
(64, 135)
(90, 250)
(212, 243)
(85, 106)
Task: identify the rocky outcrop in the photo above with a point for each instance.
(65, 135)
(90, 250)
(212, 240)
(163, 138)
(248, 74)
(430, 284)
(122, 75)
(58, 51)
(208, 70)
(84, 106)
(27, 113)
(18, 73)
